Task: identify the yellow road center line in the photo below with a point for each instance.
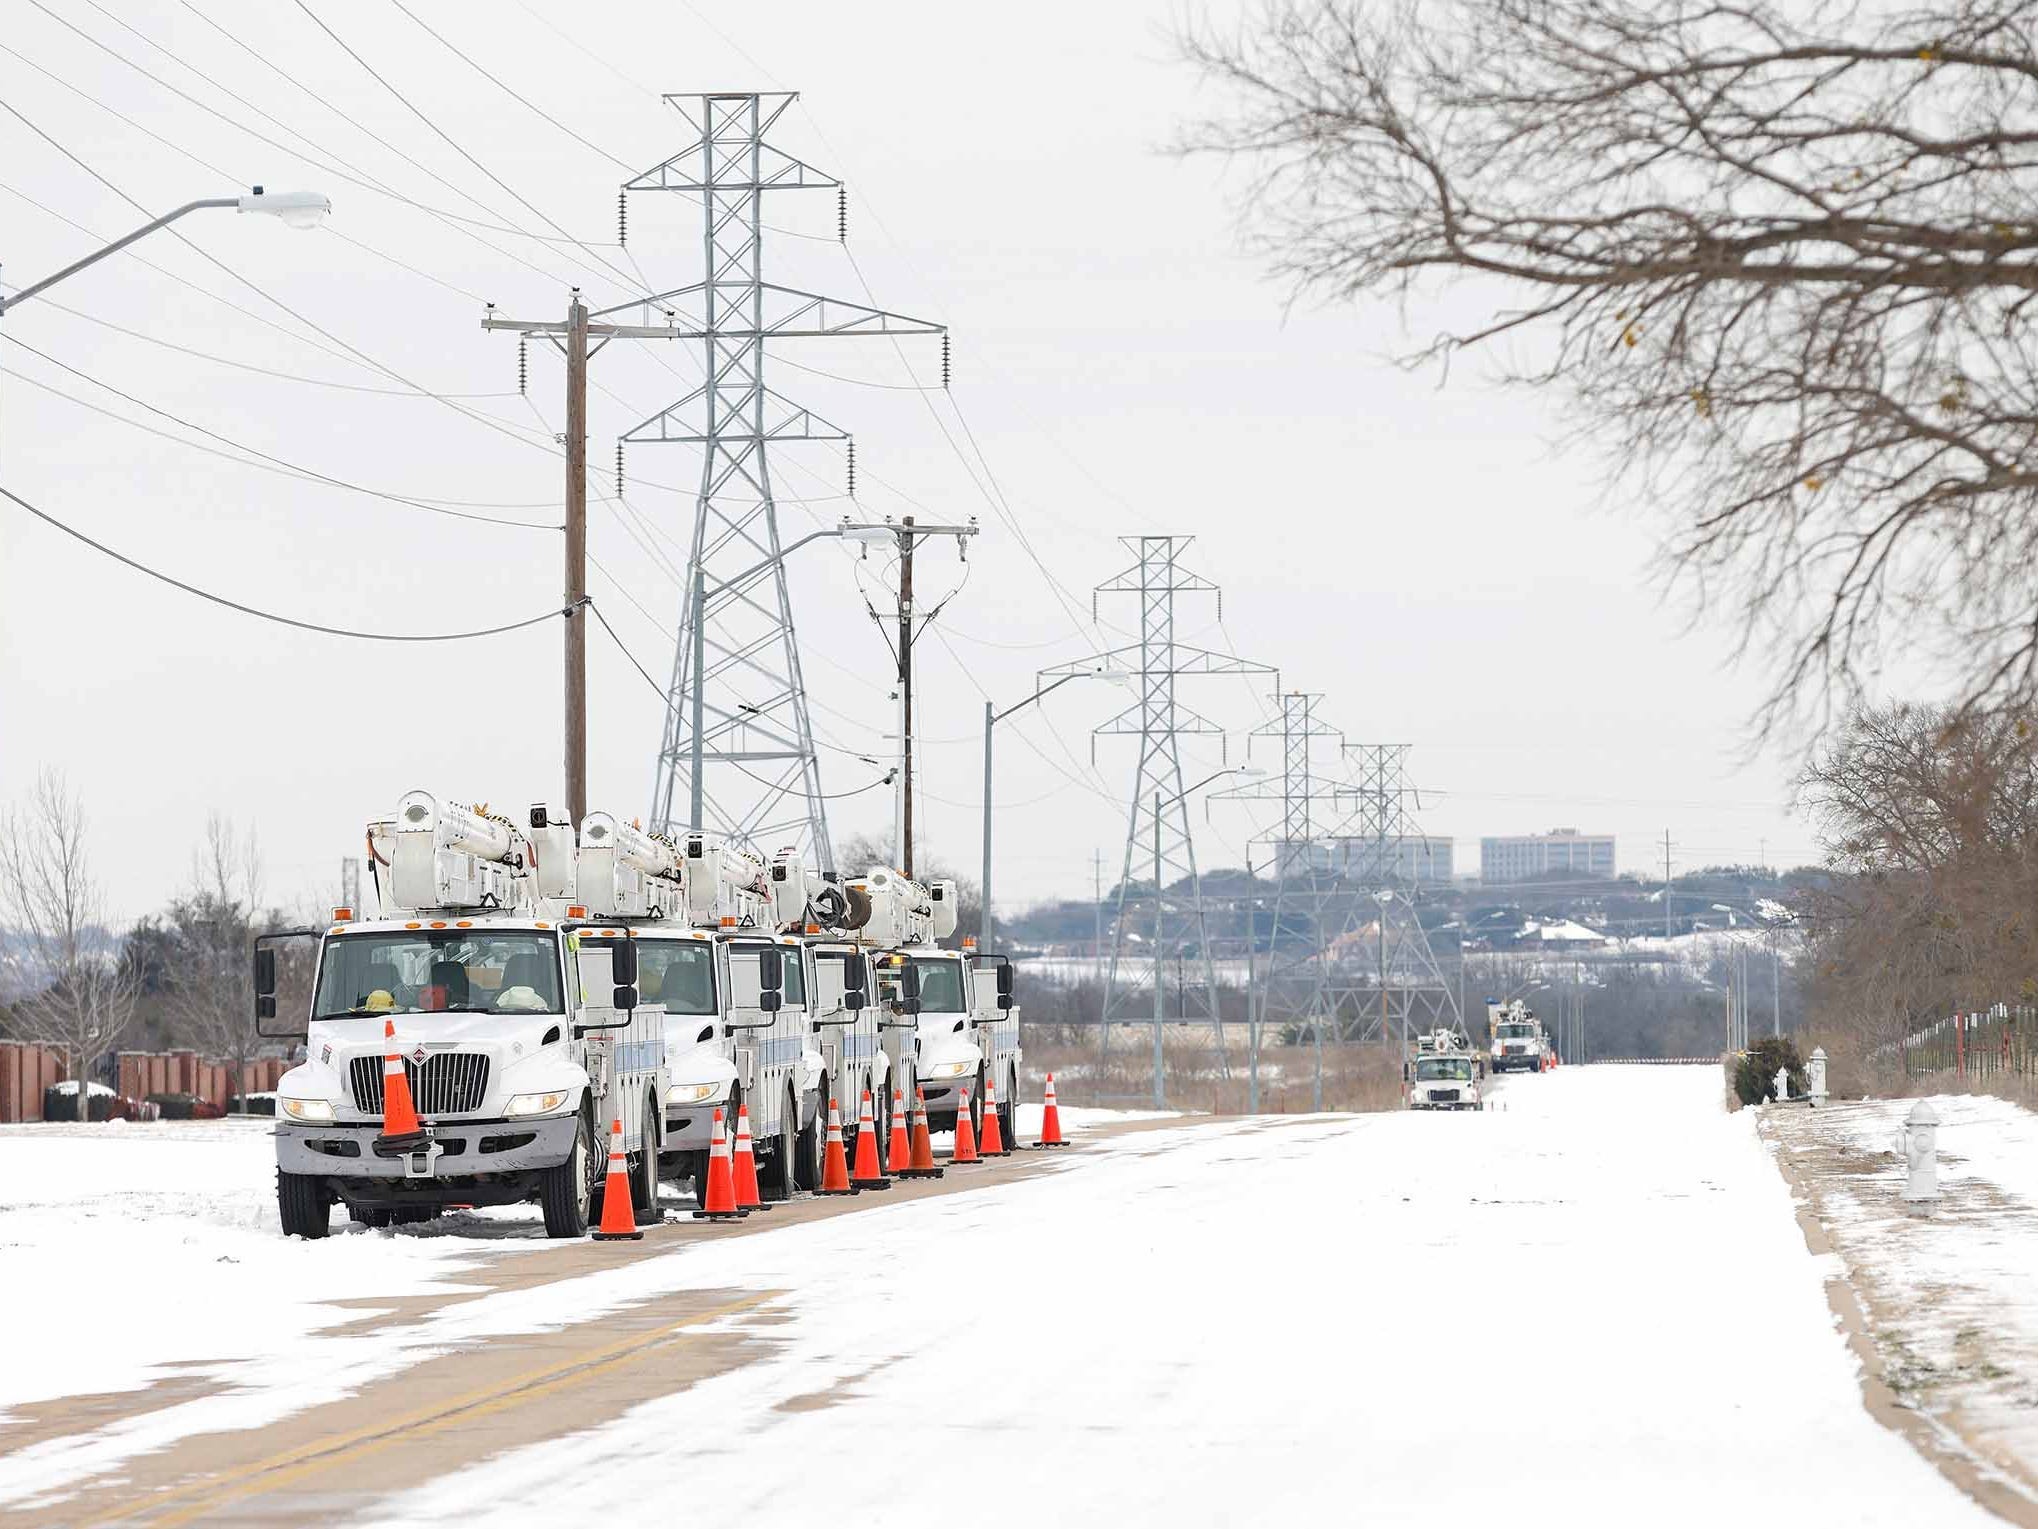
(292, 1465)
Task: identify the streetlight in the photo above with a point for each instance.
(296, 209)
(991, 718)
(1160, 804)
(1771, 927)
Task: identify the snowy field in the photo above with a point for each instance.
(1954, 1294)
(1294, 1319)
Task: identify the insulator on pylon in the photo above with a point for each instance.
(622, 217)
(852, 469)
(619, 469)
(944, 360)
(842, 214)
(523, 363)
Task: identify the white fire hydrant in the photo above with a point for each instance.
(1816, 1076)
(1782, 1082)
(1921, 1152)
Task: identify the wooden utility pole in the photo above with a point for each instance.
(576, 559)
(906, 697)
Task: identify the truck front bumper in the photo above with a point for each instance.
(468, 1149)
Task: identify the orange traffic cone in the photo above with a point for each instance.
(618, 1215)
(993, 1142)
(1050, 1120)
(900, 1157)
(965, 1133)
(835, 1162)
(400, 1130)
(923, 1166)
(868, 1175)
(718, 1201)
(743, 1167)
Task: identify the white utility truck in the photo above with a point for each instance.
(1444, 1080)
(516, 1018)
(1518, 1042)
(957, 1003)
(718, 938)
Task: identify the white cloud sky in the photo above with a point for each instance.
(1420, 554)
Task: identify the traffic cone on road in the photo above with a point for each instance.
(965, 1133)
(923, 1165)
(718, 1200)
(400, 1129)
(869, 1174)
(1050, 1120)
(743, 1166)
(618, 1215)
(900, 1156)
(835, 1162)
(993, 1142)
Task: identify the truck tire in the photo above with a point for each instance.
(566, 1190)
(1008, 1108)
(302, 1204)
(775, 1168)
(644, 1182)
(808, 1144)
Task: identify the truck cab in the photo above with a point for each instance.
(1444, 1081)
(518, 1027)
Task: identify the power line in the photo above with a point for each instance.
(249, 610)
(266, 462)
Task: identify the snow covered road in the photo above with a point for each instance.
(1532, 1315)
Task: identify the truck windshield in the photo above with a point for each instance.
(940, 984)
(1516, 1032)
(1443, 1070)
(427, 971)
(680, 974)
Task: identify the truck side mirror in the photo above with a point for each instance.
(909, 989)
(623, 967)
(770, 979)
(265, 975)
(1004, 986)
(624, 997)
(856, 982)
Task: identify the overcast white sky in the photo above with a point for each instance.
(1422, 556)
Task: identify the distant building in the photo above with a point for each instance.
(1417, 860)
(1564, 852)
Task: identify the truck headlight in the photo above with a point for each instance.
(694, 1093)
(313, 1111)
(951, 1069)
(535, 1104)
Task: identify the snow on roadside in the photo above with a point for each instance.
(1953, 1296)
(1089, 1360)
(157, 1244)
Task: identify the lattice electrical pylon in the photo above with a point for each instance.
(1167, 921)
(1306, 884)
(1384, 979)
(738, 752)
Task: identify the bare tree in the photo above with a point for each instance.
(79, 993)
(211, 926)
(1930, 821)
(1782, 257)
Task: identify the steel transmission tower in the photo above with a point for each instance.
(1167, 922)
(738, 746)
(1384, 857)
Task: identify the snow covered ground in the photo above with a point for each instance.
(1310, 1320)
(157, 1245)
(1953, 1296)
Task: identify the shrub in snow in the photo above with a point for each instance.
(1755, 1075)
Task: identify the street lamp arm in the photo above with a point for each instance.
(118, 244)
(784, 552)
(999, 716)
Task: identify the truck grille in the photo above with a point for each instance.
(450, 1083)
(1443, 1096)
